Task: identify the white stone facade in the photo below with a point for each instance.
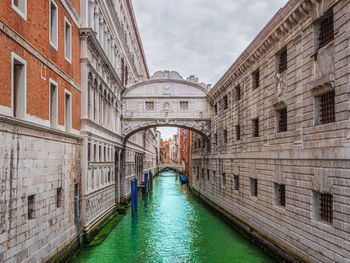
(308, 159)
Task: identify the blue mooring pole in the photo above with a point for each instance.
(135, 198)
(132, 197)
(150, 180)
(77, 216)
(145, 186)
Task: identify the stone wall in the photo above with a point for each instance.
(309, 159)
(36, 162)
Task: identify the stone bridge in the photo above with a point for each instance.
(177, 167)
(166, 99)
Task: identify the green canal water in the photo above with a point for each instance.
(173, 226)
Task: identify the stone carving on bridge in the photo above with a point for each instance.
(180, 102)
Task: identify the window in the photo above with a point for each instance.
(215, 138)
(149, 105)
(238, 92)
(225, 102)
(67, 111)
(216, 108)
(282, 60)
(89, 152)
(208, 174)
(31, 207)
(20, 6)
(59, 197)
(53, 104)
(53, 24)
(256, 79)
(282, 120)
(100, 153)
(225, 136)
(19, 86)
(197, 173)
(202, 173)
(203, 143)
(238, 132)
(322, 208)
(326, 29)
(253, 187)
(223, 179)
(326, 104)
(236, 182)
(183, 105)
(95, 150)
(199, 143)
(280, 194)
(255, 127)
(67, 40)
(104, 153)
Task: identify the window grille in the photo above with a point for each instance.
(225, 136)
(256, 127)
(254, 187)
(183, 105)
(238, 92)
(238, 132)
(225, 102)
(31, 207)
(326, 207)
(236, 182)
(327, 107)
(282, 62)
(59, 197)
(256, 79)
(282, 194)
(149, 105)
(282, 120)
(326, 31)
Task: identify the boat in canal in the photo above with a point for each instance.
(183, 179)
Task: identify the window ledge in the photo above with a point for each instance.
(323, 84)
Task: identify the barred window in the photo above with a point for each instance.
(255, 124)
(31, 207)
(326, 207)
(225, 102)
(59, 197)
(282, 120)
(183, 105)
(253, 187)
(282, 60)
(280, 194)
(149, 105)
(256, 79)
(327, 107)
(225, 136)
(238, 92)
(223, 179)
(326, 30)
(236, 182)
(238, 132)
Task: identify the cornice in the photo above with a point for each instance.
(67, 4)
(284, 21)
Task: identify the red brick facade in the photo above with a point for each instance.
(22, 37)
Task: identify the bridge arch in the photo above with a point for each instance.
(166, 99)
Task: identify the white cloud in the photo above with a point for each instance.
(200, 37)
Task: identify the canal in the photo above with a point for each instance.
(173, 226)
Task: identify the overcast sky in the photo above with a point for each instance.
(200, 37)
